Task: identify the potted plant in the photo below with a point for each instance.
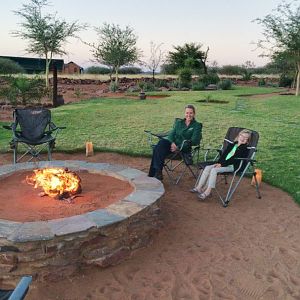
(142, 95)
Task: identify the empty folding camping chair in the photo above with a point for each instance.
(32, 128)
(19, 292)
(180, 160)
(245, 166)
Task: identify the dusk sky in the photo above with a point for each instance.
(224, 25)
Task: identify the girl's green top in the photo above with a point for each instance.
(231, 153)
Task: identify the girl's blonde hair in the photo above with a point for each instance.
(244, 131)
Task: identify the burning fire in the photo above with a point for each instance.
(56, 182)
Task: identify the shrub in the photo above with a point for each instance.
(149, 87)
(261, 82)
(26, 90)
(198, 86)
(285, 81)
(225, 84)
(133, 89)
(77, 92)
(162, 83)
(130, 70)
(207, 79)
(141, 85)
(247, 75)
(7, 66)
(113, 87)
(174, 84)
(185, 77)
(208, 98)
(231, 70)
(97, 70)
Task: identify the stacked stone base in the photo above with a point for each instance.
(55, 249)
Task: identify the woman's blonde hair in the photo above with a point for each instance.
(244, 131)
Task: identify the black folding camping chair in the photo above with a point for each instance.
(246, 166)
(180, 160)
(19, 292)
(32, 128)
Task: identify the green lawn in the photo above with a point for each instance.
(118, 125)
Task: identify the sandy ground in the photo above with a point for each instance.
(98, 191)
(249, 250)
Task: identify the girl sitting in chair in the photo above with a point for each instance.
(226, 163)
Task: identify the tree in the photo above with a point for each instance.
(282, 35)
(156, 58)
(116, 47)
(189, 55)
(282, 64)
(7, 66)
(45, 33)
(248, 69)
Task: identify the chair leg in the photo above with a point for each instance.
(224, 203)
(49, 152)
(232, 188)
(15, 149)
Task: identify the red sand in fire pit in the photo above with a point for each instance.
(98, 191)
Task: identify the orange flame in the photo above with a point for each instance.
(55, 181)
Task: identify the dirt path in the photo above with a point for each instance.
(250, 250)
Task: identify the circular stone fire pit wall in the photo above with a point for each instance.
(56, 248)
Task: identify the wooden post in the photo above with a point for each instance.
(89, 149)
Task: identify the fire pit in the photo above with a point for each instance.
(117, 212)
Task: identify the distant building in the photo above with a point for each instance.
(36, 65)
(72, 68)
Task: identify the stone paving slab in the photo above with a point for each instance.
(70, 225)
(125, 208)
(51, 164)
(116, 168)
(97, 166)
(146, 191)
(143, 198)
(7, 169)
(7, 228)
(102, 217)
(143, 182)
(32, 231)
(131, 173)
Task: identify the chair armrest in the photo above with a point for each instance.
(12, 127)
(245, 159)
(212, 149)
(158, 135)
(242, 160)
(53, 128)
(208, 150)
(185, 142)
(9, 127)
(21, 289)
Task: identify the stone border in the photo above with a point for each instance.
(146, 192)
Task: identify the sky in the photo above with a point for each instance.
(225, 26)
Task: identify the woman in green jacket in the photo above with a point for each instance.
(183, 129)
